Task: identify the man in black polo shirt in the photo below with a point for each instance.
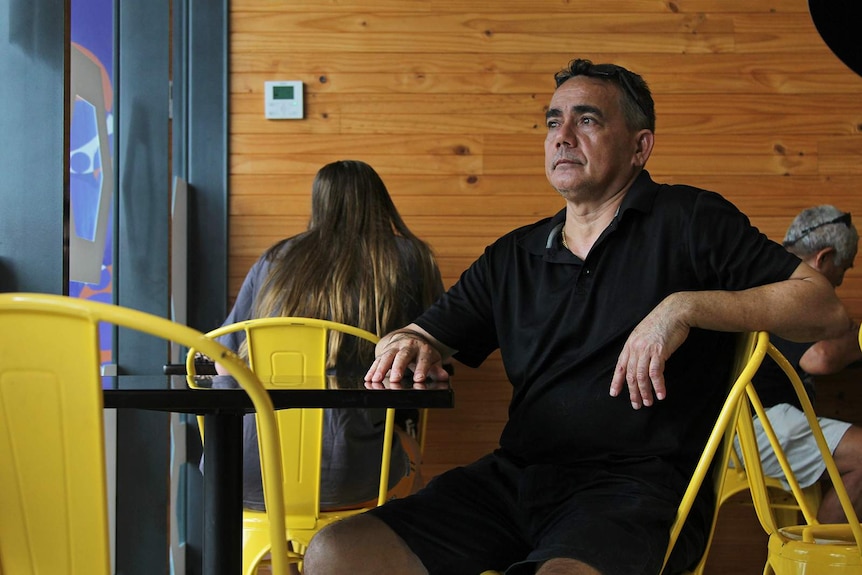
(825, 238)
(613, 319)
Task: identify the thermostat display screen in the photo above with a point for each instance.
(282, 92)
(283, 100)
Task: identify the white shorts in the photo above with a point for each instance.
(795, 436)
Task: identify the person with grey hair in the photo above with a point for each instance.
(825, 238)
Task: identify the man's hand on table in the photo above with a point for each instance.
(404, 353)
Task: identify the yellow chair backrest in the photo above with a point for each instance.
(813, 547)
(784, 507)
(285, 358)
(53, 494)
(290, 352)
(751, 349)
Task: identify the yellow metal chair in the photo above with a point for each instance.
(812, 547)
(423, 430)
(53, 493)
(735, 480)
(783, 503)
(291, 352)
(751, 349)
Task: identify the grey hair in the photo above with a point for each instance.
(811, 231)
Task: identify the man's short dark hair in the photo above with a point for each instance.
(637, 103)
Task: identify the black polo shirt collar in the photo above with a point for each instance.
(542, 238)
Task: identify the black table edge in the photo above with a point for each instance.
(202, 401)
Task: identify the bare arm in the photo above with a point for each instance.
(410, 347)
(832, 355)
(801, 308)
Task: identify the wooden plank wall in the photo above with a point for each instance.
(446, 99)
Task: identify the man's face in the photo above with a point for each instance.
(590, 152)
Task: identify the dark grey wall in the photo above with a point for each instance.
(142, 276)
(207, 161)
(200, 108)
(150, 152)
(34, 191)
(34, 172)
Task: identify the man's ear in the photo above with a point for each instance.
(644, 143)
(822, 256)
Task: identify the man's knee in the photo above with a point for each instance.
(848, 453)
(359, 544)
(566, 567)
(334, 539)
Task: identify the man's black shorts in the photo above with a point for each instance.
(494, 514)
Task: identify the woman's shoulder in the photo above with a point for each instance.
(280, 247)
(278, 250)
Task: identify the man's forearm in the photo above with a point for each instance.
(804, 309)
(832, 355)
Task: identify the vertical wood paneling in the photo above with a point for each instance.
(446, 99)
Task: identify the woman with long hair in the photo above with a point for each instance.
(357, 264)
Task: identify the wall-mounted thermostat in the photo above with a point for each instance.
(283, 100)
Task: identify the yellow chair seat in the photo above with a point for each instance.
(814, 549)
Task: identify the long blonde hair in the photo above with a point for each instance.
(350, 266)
